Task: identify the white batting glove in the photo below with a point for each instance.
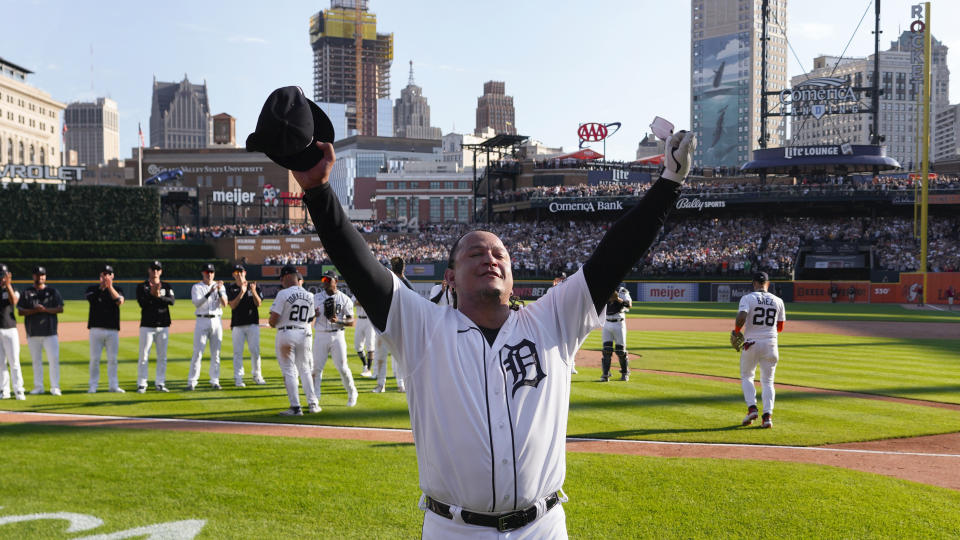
(676, 156)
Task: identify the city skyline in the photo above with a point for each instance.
(562, 64)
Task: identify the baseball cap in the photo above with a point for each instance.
(562, 275)
(106, 269)
(330, 274)
(288, 269)
(156, 265)
(238, 268)
(208, 268)
(761, 277)
(39, 270)
(288, 128)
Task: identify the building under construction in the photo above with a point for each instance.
(342, 38)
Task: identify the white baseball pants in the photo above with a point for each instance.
(37, 345)
(380, 365)
(364, 337)
(206, 330)
(762, 353)
(100, 339)
(552, 525)
(333, 344)
(10, 358)
(295, 358)
(615, 332)
(249, 333)
(148, 337)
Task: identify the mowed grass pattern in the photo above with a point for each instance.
(263, 487)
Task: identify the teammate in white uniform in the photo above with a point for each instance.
(364, 339)
(488, 387)
(614, 334)
(209, 297)
(290, 314)
(761, 315)
(442, 295)
(334, 312)
(9, 339)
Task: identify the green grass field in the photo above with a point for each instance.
(798, 311)
(247, 486)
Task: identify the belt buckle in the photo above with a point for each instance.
(511, 521)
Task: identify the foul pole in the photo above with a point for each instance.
(925, 173)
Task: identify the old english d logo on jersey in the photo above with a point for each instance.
(520, 358)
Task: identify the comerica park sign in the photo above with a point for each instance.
(820, 96)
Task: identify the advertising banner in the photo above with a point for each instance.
(716, 90)
(907, 290)
(819, 291)
(667, 292)
(729, 292)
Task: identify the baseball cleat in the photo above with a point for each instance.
(92, 391)
(366, 373)
(162, 388)
(20, 396)
(574, 370)
(315, 408)
(240, 384)
(605, 377)
(4, 395)
(292, 411)
(118, 390)
(750, 417)
(767, 421)
(141, 389)
(352, 400)
(191, 387)
(260, 381)
(377, 390)
(625, 377)
(36, 391)
(55, 392)
(215, 386)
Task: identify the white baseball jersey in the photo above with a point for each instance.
(295, 307)
(343, 309)
(764, 310)
(207, 303)
(446, 299)
(490, 422)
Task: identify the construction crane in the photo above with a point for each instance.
(358, 45)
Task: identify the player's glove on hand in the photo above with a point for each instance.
(676, 156)
(329, 307)
(736, 340)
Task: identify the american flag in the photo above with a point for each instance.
(139, 132)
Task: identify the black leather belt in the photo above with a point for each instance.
(291, 328)
(361, 316)
(614, 320)
(332, 331)
(206, 316)
(505, 522)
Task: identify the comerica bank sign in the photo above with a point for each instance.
(820, 96)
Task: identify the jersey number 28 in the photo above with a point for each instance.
(300, 313)
(764, 317)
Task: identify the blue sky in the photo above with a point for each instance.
(563, 62)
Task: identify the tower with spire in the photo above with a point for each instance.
(411, 114)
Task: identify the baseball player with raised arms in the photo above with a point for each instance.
(761, 316)
(9, 340)
(488, 387)
(364, 339)
(614, 334)
(334, 312)
(155, 298)
(209, 297)
(291, 314)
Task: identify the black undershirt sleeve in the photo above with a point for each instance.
(370, 281)
(627, 240)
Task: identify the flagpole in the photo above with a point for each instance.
(925, 173)
(139, 156)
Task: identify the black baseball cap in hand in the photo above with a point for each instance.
(288, 128)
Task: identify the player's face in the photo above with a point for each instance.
(207, 276)
(481, 267)
(154, 274)
(39, 279)
(329, 285)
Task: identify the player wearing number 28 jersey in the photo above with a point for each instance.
(761, 315)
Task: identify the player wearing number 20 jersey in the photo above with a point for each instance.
(761, 315)
(291, 314)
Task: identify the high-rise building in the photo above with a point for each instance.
(332, 38)
(29, 120)
(180, 115)
(411, 114)
(899, 116)
(495, 109)
(93, 130)
(725, 71)
(946, 134)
